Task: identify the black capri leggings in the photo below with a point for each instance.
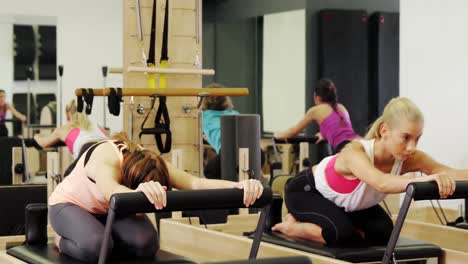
(340, 146)
(306, 204)
(82, 233)
(3, 130)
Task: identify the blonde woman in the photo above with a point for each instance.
(337, 202)
(78, 131)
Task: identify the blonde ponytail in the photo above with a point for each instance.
(123, 136)
(397, 109)
(374, 130)
(78, 119)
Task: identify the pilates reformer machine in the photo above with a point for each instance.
(303, 142)
(405, 249)
(27, 162)
(398, 248)
(37, 249)
(278, 176)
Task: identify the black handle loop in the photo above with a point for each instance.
(114, 100)
(163, 121)
(79, 101)
(89, 97)
(161, 126)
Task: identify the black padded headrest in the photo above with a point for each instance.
(45, 254)
(136, 202)
(14, 199)
(357, 253)
(295, 140)
(282, 260)
(430, 190)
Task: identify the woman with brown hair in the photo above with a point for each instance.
(213, 107)
(79, 204)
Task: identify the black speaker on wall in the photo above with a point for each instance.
(47, 52)
(343, 55)
(25, 51)
(384, 61)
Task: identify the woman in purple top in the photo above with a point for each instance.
(332, 117)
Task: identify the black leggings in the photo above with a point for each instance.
(3, 130)
(340, 146)
(306, 204)
(82, 233)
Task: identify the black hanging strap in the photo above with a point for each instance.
(161, 120)
(161, 126)
(79, 100)
(165, 37)
(113, 100)
(162, 117)
(151, 53)
(88, 98)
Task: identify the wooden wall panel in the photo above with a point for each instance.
(182, 49)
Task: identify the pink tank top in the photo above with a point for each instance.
(79, 189)
(76, 138)
(335, 130)
(338, 182)
(351, 194)
(3, 113)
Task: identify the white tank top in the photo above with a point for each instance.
(85, 136)
(364, 195)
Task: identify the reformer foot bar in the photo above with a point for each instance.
(417, 192)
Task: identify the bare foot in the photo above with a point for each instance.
(293, 228)
(287, 226)
(290, 218)
(57, 239)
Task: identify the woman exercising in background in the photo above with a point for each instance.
(337, 201)
(4, 107)
(78, 131)
(331, 116)
(213, 108)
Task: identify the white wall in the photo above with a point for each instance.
(89, 35)
(283, 69)
(434, 73)
(6, 53)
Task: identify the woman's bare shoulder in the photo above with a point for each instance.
(105, 153)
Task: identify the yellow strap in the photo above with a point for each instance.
(151, 78)
(162, 77)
